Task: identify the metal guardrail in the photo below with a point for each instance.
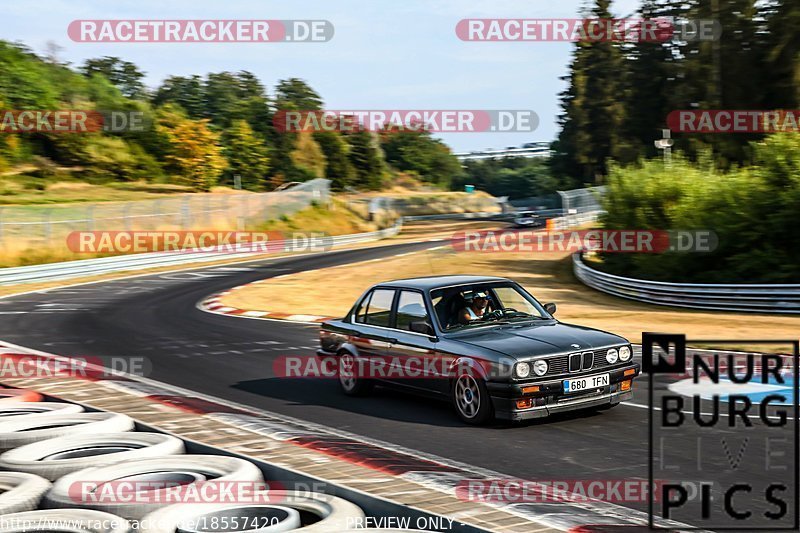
(105, 265)
(752, 298)
(458, 216)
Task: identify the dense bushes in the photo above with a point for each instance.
(753, 211)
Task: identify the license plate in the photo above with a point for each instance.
(587, 383)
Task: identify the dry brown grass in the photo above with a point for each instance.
(331, 291)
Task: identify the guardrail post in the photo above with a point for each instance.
(48, 229)
(126, 216)
(90, 217)
(240, 223)
(156, 212)
(186, 213)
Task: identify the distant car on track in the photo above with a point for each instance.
(513, 362)
(528, 219)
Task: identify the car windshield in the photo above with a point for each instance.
(473, 305)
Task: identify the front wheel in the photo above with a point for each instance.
(349, 381)
(471, 399)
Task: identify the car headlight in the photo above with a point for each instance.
(522, 370)
(611, 356)
(624, 353)
(540, 368)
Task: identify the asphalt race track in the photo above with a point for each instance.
(155, 316)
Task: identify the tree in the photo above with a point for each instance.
(367, 159)
(307, 156)
(592, 108)
(123, 74)
(296, 94)
(419, 152)
(186, 92)
(193, 153)
(291, 94)
(782, 55)
(247, 156)
(338, 167)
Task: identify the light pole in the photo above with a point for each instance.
(665, 143)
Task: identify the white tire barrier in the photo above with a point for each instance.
(63, 521)
(332, 514)
(10, 409)
(20, 430)
(20, 492)
(54, 458)
(91, 487)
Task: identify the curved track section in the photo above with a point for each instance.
(155, 316)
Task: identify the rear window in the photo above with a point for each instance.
(379, 309)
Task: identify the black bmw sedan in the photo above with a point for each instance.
(483, 342)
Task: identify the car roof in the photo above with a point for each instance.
(434, 282)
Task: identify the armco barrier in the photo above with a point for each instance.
(752, 298)
(105, 265)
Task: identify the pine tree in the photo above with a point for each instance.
(367, 159)
(247, 156)
(338, 167)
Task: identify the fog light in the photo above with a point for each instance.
(525, 404)
(625, 385)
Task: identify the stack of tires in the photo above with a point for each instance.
(55, 459)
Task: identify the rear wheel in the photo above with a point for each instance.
(349, 381)
(471, 399)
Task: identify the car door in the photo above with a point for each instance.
(411, 356)
(372, 332)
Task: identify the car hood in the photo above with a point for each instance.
(538, 339)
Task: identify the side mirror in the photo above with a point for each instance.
(421, 326)
(550, 308)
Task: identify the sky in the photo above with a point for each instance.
(385, 54)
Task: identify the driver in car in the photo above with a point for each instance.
(476, 308)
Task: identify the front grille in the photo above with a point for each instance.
(593, 360)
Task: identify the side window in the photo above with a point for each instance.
(361, 312)
(380, 307)
(410, 308)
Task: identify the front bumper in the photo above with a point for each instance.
(551, 399)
